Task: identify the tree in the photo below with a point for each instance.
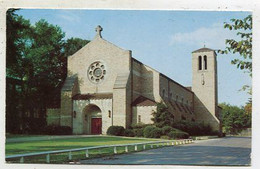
(72, 45)
(162, 116)
(242, 46)
(234, 118)
(17, 34)
(37, 56)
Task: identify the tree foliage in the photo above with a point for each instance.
(242, 46)
(37, 56)
(162, 116)
(235, 118)
(72, 45)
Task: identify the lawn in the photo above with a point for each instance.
(13, 148)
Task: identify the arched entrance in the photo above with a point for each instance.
(92, 120)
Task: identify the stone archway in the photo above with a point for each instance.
(92, 120)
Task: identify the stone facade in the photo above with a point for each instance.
(106, 86)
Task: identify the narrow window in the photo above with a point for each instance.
(109, 113)
(200, 63)
(205, 62)
(74, 114)
(163, 93)
(170, 97)
(176, 97)
(139, 118)
(182, 100)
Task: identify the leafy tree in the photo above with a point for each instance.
(37, 55)
(242, 46)
(72, 45)
(234, 118)
(162, 116)
(17, 34)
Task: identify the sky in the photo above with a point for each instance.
(161, 39)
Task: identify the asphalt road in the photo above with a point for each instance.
(231, 151)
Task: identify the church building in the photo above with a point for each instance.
(106, 86)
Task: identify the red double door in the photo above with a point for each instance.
(96, 125)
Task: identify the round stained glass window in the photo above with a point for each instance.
(96, 72)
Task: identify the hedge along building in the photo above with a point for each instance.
(106, 86)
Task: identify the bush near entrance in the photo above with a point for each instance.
(152, 132)
(116, 130)
(148, 131)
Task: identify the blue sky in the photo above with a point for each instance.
(161, 39)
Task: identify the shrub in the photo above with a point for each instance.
(156, 132)
(138, 132)
(129, 133)
(147, 131)
(194, 128)
(34, 126)
(139, 126)
(165, 137)
(166, 130)
(178, 135)
(152, 132)
(116, 130)
(58, 130)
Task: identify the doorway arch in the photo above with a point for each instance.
(92, 120)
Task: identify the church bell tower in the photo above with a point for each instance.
(204, 86)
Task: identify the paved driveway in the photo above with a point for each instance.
(223, 151)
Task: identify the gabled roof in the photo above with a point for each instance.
(143, 101)
(203, 50)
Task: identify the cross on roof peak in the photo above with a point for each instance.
(98, 30)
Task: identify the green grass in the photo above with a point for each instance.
(70, 143)
(21, 135)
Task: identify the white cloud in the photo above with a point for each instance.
(213, 36)
(69, 16)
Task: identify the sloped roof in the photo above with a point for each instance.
(121, 80)
(203, 50)
(69, 83)
(189, 87)
(143, 101)
(92, 96)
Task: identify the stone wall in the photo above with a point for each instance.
(152, 84)
(113, 58)
(105, 105)
(66, 108)
(204, 85)
(178, 98)
(143, 113)
(53, 117)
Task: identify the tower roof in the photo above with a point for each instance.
(203, 50)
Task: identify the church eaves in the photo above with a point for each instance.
(203, 50)
(143, 101)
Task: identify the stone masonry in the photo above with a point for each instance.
(106, 86)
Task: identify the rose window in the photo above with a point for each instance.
(96, 72)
